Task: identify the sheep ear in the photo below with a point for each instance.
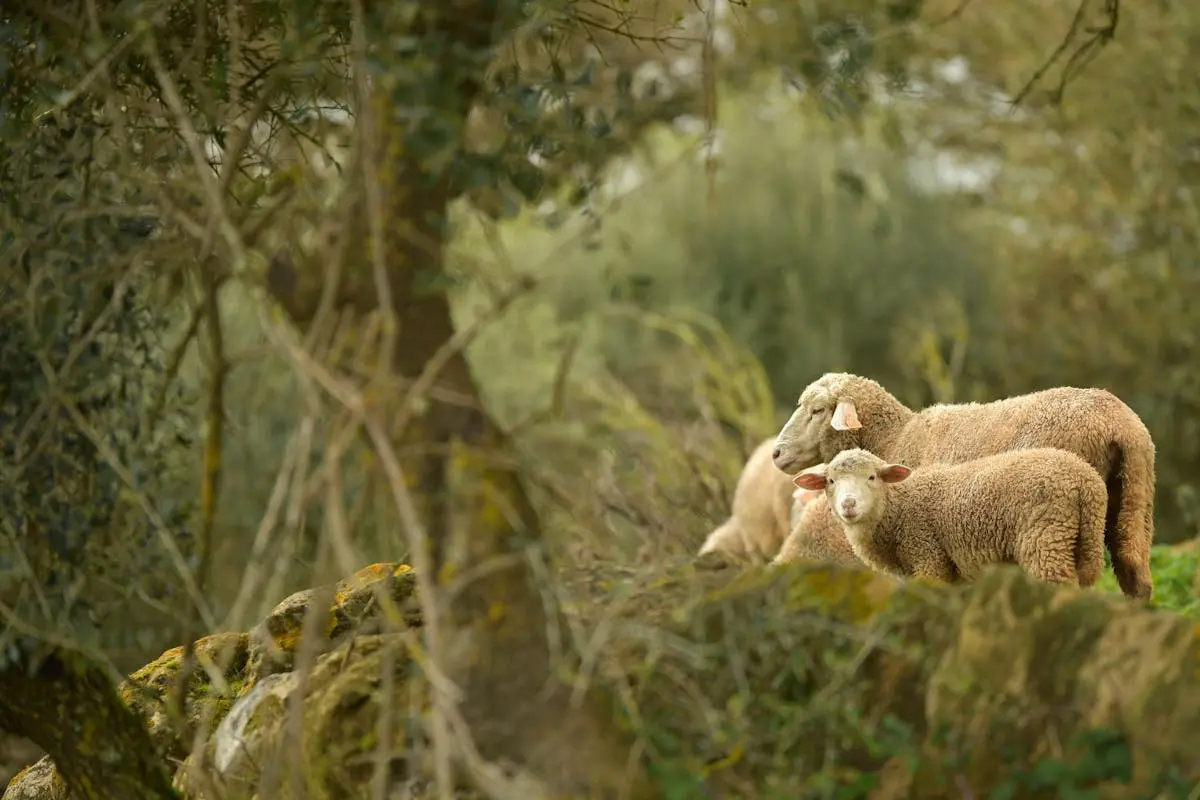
(845, 417)
(894, 473)
(810, 480)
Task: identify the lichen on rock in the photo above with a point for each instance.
(358, 696)
(352, 602)
(39, 781)
(220, 665)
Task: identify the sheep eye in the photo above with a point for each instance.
(818, 411)
(870, 477)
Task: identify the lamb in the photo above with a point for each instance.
(1041, 508)
(816, 533)
(762, 510)
(840, 411)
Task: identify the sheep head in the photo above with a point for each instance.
(825, 422)
(854, 484)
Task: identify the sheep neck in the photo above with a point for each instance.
(888, 417)
(873, 541)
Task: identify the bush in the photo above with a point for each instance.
(93, 446)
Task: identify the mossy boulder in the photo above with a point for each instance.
(346, 607)
(230, 665)
(39, 781)
(360, 711)
(220, 671)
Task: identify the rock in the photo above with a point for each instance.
(232, 665)
(349, 691)
(221, 667)
(37, 782)
(351, 602)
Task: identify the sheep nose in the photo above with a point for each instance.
(776, 452)
(849, 504)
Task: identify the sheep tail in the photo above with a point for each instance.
(1129, 519)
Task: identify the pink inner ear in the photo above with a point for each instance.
(893, 473)
(809, 480)
(845, 416)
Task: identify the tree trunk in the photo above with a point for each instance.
(575, 750)
(70, 708)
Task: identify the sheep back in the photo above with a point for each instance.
(760, 518)
(1042, 508)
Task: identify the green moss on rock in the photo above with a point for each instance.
(147, 691)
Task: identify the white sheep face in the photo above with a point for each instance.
(798, 444)
(855, 484)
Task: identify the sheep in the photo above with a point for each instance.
(840, 411)
(762, 510)
(1041, 508)
(816, 533)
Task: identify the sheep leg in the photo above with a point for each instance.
(941, 570)
(727, 538)
(791, 547)
(1047, 553)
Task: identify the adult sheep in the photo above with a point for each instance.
(1041, 508)
(762, 510)
(839, 411)
(816, 534)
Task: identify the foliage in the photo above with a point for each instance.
(1174, 569)
(92, 476)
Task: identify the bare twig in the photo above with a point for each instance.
(1083, 54)
(369, 124)
(209, 488)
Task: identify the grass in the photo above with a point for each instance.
(1174, 568)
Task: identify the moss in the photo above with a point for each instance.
(147, 688)
(340, 719)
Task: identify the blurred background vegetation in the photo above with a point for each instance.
(735, 199)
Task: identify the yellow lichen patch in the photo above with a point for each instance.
(402, 569)
(287, 639)
(367, 575)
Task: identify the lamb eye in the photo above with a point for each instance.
(817, 411)
(870, 477)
